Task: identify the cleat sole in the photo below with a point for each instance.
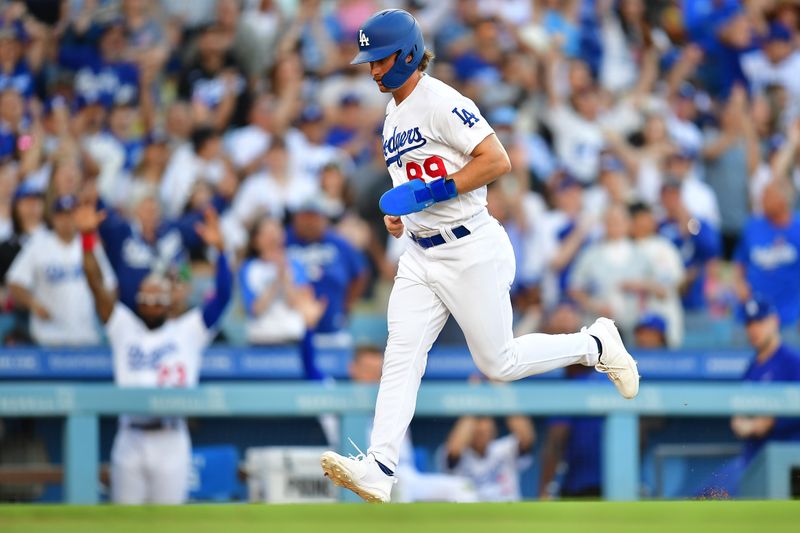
(341, 478)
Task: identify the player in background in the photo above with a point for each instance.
(413, 485)
(493, 463)
(773, 361)
(151, 456)
(441, 154)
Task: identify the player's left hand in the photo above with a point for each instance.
(209, 230)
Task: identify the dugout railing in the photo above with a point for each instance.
(81, 405)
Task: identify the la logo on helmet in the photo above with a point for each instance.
(363, 40)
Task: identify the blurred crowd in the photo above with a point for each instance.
(654, 149)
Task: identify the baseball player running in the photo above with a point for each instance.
(151, 456)
(441, 153)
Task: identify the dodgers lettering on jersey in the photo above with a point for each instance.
(168, 356)
(430, 135)
(770, 256)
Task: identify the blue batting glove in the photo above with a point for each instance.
(416, 195)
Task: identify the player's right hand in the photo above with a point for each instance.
(394, 225)
(87, 218)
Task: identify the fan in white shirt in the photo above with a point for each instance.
(699, 198)
(200, 160)
(777, 62)
(246, 146)
(47, 278)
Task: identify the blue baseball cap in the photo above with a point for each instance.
(687, 91)
(13, 29)
(652, 321)
(27, 190)
(685, 152)
(568, 181)
(156, 136)
(65, 203)
(610, 163)
(503, 116)
(311, 113)
(778, 32)
(775, 143)
(757, 308)
(350, 99)
(724, 15)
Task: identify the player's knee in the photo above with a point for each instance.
(494, 371)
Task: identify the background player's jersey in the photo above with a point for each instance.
(431, 134)
(495, 474)
(168, 357)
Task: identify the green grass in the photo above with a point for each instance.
(544, 517)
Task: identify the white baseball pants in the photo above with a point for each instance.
(470, 278)
(151, 466)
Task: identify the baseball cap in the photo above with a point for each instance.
(778, 32)
(67, 202)
(27, 190)
(568, 181)
(725, 14)
(311, 113)
(671, 183)
(350, 99)
(312, 204)
(775, 143)
(639, 207)
(12, 30)
(156, 136)
(610, 163)
(757, 308)
(687, 91)
(652, 321)
(684, 152)
(503, 116)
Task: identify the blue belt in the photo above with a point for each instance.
(436, 240)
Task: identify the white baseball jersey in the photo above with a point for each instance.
(52, 271)
(495, 474)
(167, 357)
(429, 135)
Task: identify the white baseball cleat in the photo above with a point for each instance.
(616, 362)
(361, 474)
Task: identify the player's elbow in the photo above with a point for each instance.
(502, 164)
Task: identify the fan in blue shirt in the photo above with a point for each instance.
(334, 267)
(768, 256)
(577, 441)
(144, 245)
(102, 74)
(15, 73)
(773, 362)
(697, 240)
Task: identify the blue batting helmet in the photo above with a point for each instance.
(388, 32)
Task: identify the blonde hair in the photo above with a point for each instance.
(427, 57)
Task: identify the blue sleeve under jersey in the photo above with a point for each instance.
(213, 309)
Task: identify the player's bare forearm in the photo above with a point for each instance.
(522, 428)
(552, 448)
(489, 162)
(459, 438)
(103, 300)
(23, 298)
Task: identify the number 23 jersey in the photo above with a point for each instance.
(168, 356)
(429, 135)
